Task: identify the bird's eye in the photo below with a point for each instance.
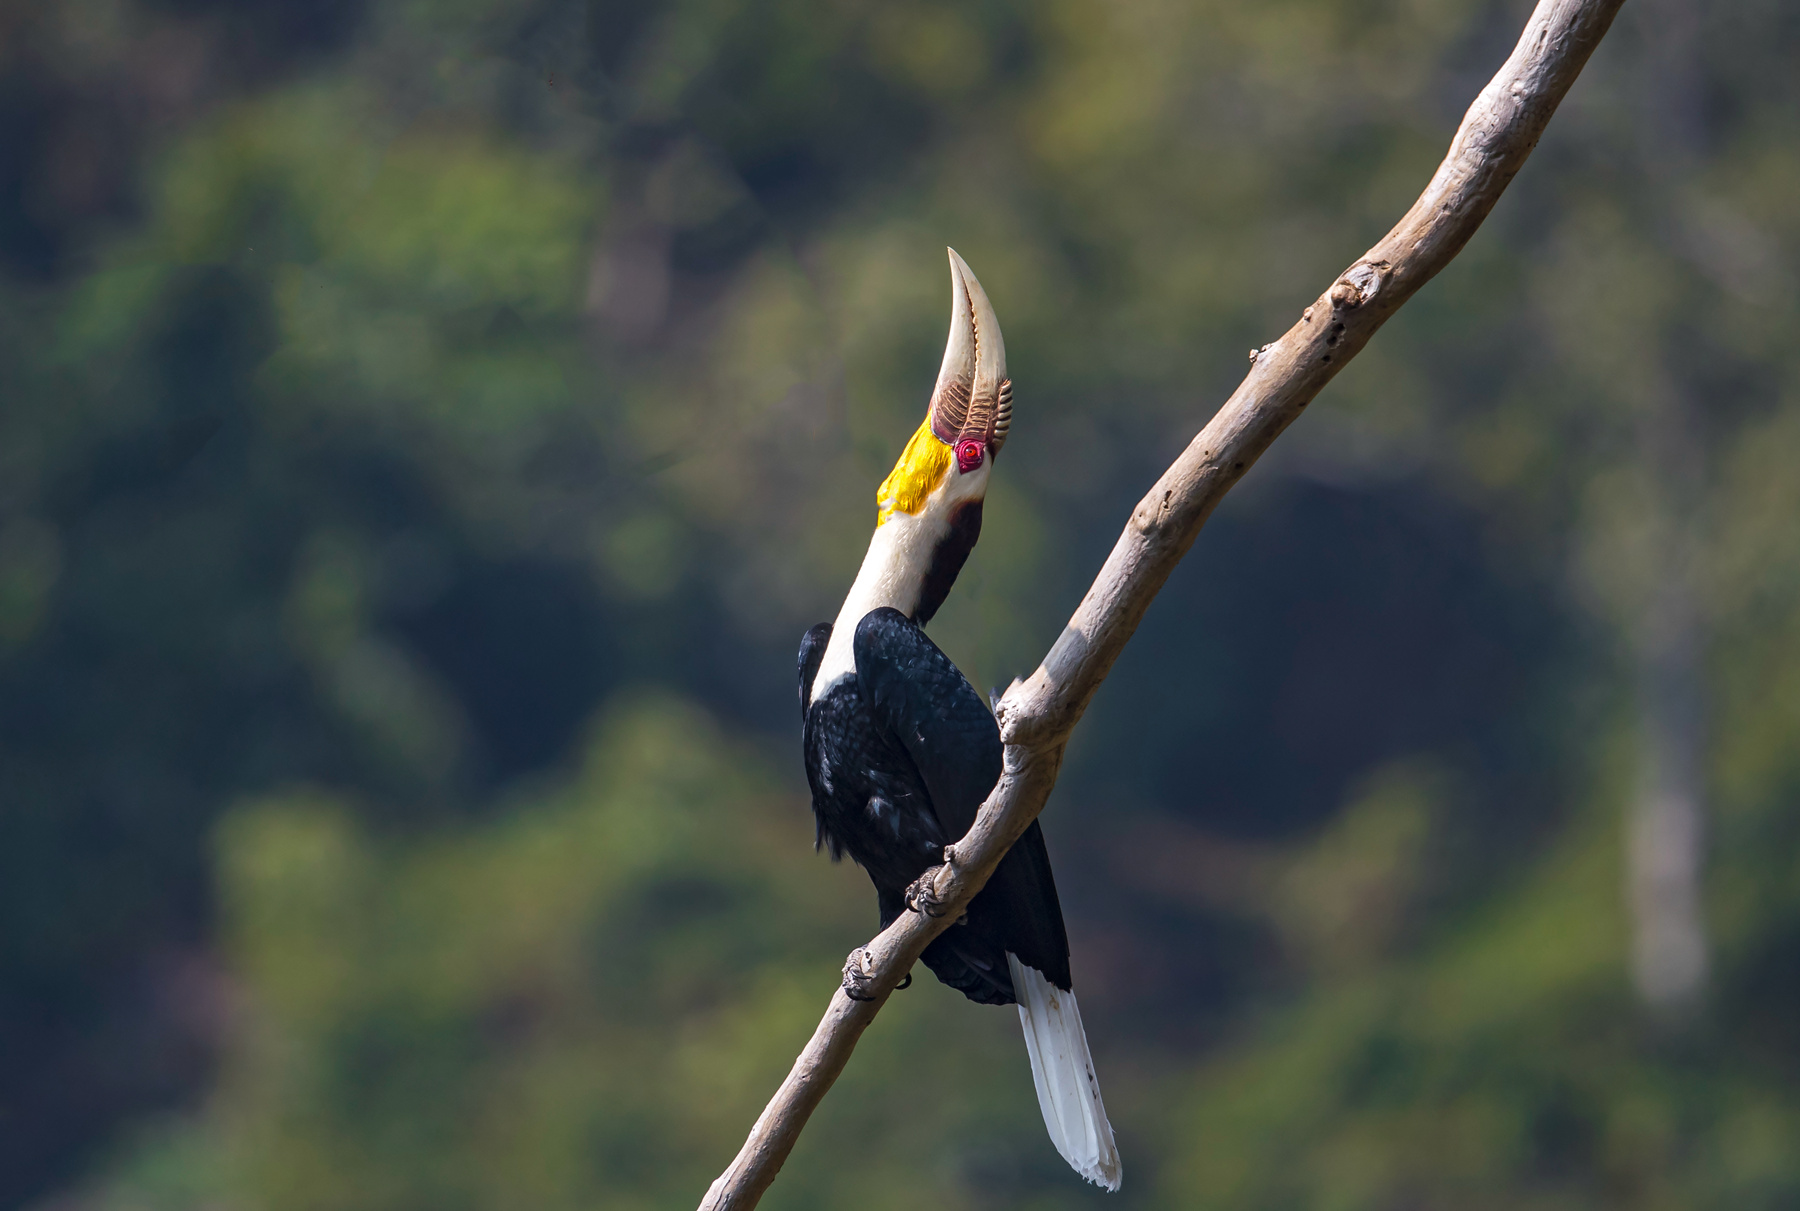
(968, 455)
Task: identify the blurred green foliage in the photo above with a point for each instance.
(425, 431)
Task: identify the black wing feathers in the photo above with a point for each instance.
(900, 757)
(915, 692)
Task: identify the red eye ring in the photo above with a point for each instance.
(969, 454)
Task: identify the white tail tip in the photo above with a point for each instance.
(1063, 1071)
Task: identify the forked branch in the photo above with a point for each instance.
(1037, 715)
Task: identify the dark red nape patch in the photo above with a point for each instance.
(968, 455)
(948, 559)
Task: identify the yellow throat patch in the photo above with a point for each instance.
(921, 469)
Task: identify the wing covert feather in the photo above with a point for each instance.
(916, 692)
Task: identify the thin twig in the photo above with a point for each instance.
(1037, 715)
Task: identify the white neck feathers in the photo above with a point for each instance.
(893, 572)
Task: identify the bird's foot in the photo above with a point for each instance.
(922, 896)
(859, 975)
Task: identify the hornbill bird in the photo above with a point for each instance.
(900, 751)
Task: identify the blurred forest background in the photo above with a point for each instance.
(427, 428)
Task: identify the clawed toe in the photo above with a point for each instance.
(922, 897)
(859, 976)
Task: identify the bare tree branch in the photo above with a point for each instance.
(1037, 715)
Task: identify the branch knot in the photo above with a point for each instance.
(1360, 283)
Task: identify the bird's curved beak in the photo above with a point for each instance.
(971, 407)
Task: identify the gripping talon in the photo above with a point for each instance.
(858, 978)
(922, 897)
